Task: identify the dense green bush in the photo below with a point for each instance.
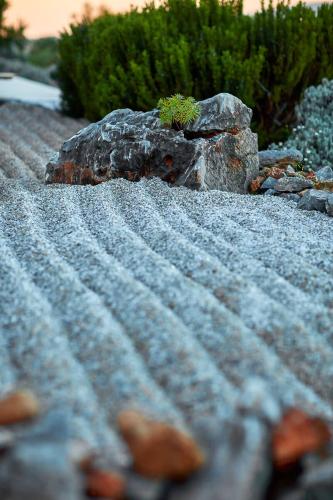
(198, 48)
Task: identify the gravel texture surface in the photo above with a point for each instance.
(164, 299)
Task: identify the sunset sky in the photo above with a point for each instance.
(48, 17)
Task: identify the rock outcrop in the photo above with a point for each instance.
(218, 151)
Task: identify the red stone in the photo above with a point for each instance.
(296, 435)
(255, 185)
(17, 407)
(105, 484)
(158, 449)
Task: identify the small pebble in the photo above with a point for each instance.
(17, 407)
(101, 483)
(296, 435)
(158, 449)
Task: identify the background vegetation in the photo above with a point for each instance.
(10, 36)
(32, 59)
(198, 48)
(43, 52)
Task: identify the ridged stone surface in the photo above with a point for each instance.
(138, 295)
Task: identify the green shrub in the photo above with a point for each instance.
(198, 48)
(43, 52)
(177, 111)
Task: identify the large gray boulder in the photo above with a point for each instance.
(218, 151)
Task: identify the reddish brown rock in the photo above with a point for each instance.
(105, 484)
(17, 407)
(324, 186)
(311, 176)
(256, 184)
(275, 172)
(158, 449)
(296, 435)
(71, 173)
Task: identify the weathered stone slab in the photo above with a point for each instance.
(314, 200)
(279, 158)
(292, 184)
(325, 174)
(269, 183)
(132, 145)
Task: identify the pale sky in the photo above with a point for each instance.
(48, 17)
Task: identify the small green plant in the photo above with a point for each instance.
(177, 111)
(299, 167)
